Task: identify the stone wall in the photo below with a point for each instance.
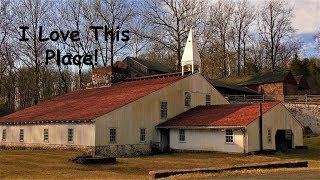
(133, 150)
(307, 115)
(110, 151)
(89, 150)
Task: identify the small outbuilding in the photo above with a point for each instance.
(234, 128)
(276, 85)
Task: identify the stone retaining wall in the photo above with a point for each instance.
(110, 151)
(133, 150)
(23, 146)
(307, 115)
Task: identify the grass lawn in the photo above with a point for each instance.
(55, 164)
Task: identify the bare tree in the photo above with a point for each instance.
(115, 14)
(7, 64)
(33, 14)
(72, 18)
(4, 21)
(221, 16)
(317, 37)
(138, 44)
(242, 20)
(275, 28)
(256, 52)
(170, 21)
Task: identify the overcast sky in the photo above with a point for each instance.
(307, 15)
(306, 12)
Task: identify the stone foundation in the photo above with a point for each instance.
(89, 150)
(110, 150)
(132, 150)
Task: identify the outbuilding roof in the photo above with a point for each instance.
(153, 65)
(218, 84)
(88, 104)
(219, 115)
(265, 78)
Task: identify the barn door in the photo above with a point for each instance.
(284, 139)
(165, 143)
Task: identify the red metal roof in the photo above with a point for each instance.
(219, 115)
(88, 104)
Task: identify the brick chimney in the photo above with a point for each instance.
(102, 76)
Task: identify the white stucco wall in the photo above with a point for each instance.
(207, 140)
(277, 118)
(84, 134)
(145, 112)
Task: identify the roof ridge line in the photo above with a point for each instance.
(155, 76)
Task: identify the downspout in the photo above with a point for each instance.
(244, 140)
(260, 127)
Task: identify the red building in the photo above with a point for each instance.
(273, 84)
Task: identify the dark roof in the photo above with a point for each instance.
(216, 84)
(219, 115)
(156, 76)
(88, 104)
(154, 65)
(265, 78)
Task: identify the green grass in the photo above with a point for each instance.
(55, 164)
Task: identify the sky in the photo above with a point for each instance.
(306, 22)
(307, 15)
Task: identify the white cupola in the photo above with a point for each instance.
(191, 59)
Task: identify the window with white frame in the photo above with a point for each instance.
(46, 135)
(229, 136)
(21, 136)
(208, 99)
(112, 135)
(182, 135)
(142, 135)
(70, 135)
(164, 110)
(4, 135)
(187, 99)
(269, 136)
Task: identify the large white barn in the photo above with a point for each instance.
(169, 111)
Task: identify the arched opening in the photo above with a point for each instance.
(284, 139)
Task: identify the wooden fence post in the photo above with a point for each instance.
(306, 96)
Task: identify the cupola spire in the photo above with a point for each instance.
(191, 59)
